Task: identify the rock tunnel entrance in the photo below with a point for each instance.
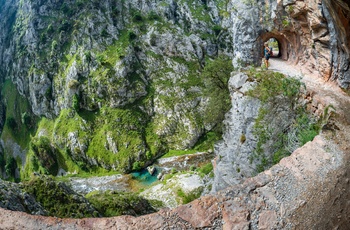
(279, 42)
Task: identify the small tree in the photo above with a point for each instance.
(12, 123)
(216, 74)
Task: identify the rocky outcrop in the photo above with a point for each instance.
(304, 191)
(247, 149)
(146, 56)
(12, 197)
(239, 142)
(307, 190)
(313, 34)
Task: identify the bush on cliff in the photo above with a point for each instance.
(113, 203)
(58, 199)
(216, 74)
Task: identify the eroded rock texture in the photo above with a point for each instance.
(304, 191)
(308, 190)
(312, 33)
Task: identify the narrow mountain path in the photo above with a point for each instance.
(324, 93)
(307, 190)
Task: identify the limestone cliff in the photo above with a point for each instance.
(119, 81)
(113, 84)
(312, 33)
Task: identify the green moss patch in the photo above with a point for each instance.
(112, 203)
(58, 199)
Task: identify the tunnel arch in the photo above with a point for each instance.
(287, 45)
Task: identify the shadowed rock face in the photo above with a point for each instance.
(304, 191)
(314, 34)
(309, 189)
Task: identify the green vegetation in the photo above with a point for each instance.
(285, 21)
(112, 203)
(58, 199)
(206, 169)
(173, 153)
(126, 127)
(20, 123)
(108, 120)
(45, 153)
(271, 85)
(216, 74)
(270, 90)
(188, 197)
(19, 126)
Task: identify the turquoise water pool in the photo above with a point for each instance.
(144, 177)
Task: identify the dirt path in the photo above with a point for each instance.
(324, 93)
(307, 190)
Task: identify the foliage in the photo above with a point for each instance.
(272, 86)
(58, 199)
(206, 169)
(174, 152)
(285, 21)
(216, 74)
(137, 17)
(45, 153)
(20, 121)
(217, 29)
(153, 16)
(75, 103)
(12, 124)
(112, 203)
(2, 160)
(11, 166)
(188, 197)
(207, 141)
(124, 126)
(137, 165)
(132, 36)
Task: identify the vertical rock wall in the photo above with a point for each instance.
(311, 33)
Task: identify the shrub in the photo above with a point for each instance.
(75, 103)
(104, 33)
(216, 74)
(217, 29)
(132, 36)
(188, 197)
(271, 84)
(11, 123)
(153, 16)
(45, 153)
(153, 40)
(120, 203)
(11, 166)
(206, 169)
(59, 199)
(136, 166)
(137, 17)
(301, 127)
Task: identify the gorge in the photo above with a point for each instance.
(92, 87)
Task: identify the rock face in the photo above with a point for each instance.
(103, 60)
(103, 64)
(13, 198)
(314, 34)
(232, 153)
(247, 148)
(262, 202)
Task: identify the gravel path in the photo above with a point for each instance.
(323, 92)
(278, 65)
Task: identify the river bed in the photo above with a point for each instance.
(141, 179)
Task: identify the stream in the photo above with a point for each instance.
(141, 179)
